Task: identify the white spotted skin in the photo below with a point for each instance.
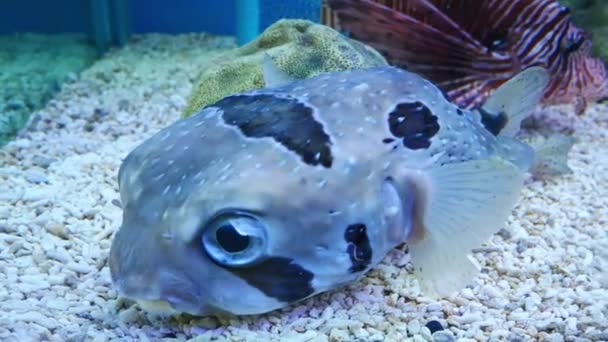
(175, 182)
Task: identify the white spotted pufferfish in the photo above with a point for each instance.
(271, 196)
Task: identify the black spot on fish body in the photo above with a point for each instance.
(494, 123)
(414, 123)
(359, 249)
(287, 121)
(279, 278)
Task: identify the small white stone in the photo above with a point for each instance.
(419, 338)
(35, 194)
(443, 336)
(413, 327)
(338, 335)
(469, 317)
(426, 333)
(79, 267)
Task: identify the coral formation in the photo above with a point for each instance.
(300, 48)
(33, 68)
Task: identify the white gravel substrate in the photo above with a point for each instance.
(544, 275)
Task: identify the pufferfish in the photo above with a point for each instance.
(271, 196)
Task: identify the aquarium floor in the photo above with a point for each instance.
(544, 276)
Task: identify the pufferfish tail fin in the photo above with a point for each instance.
(503, 112)
(505, 109)
(460, 206)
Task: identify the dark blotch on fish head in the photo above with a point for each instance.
(359, 248)
(286, 120)
(414, 123)
(279, 278)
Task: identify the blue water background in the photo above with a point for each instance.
(168, 16)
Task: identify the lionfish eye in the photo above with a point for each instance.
(496, 41)
(572, 44)
(235, 240)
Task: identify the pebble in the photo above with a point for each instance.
(32, 195)
(338, 335)
(469, 317)
(443, 336)
(58, 229)
(36, 178)
(418, 338)
(434, 307)
(79, 267)
(42, 161)
(35, 317)
(519, 315)
(413, 327)
(426, 333)
(434, 326)
(21, 143)
(531, 303)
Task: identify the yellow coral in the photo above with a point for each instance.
(300, 48)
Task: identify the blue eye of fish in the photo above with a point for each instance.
(235, 240)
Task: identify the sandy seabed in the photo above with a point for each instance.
(544, 275)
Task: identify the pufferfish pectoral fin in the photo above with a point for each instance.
(463, 205)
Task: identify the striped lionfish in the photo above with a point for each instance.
(271, 196)
(470, 47)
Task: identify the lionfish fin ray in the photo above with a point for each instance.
(419, 36)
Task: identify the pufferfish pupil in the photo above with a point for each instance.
(230, 239)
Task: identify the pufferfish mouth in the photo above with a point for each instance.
(142, 282)
(178, 293)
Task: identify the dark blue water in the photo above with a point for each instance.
(174, 16)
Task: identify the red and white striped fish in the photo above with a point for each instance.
(469, 48)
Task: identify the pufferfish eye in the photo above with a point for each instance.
(235, 239)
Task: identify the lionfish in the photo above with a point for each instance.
(468, 48)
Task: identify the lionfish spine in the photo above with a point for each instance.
(469, 48)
